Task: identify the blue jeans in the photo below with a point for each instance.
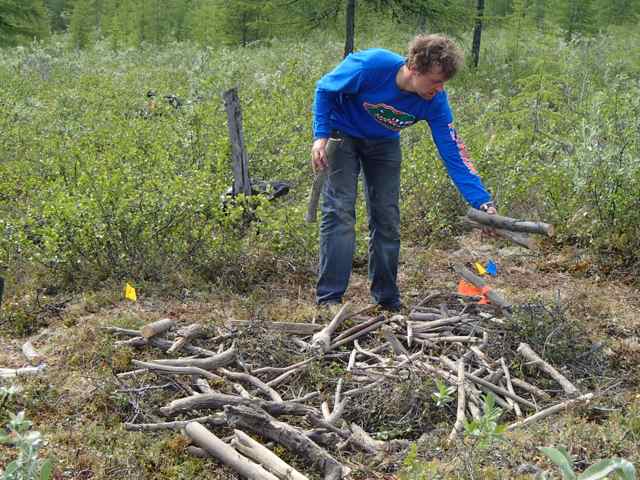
(379, 160)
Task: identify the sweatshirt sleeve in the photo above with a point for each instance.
(454, 154)
(346, 78)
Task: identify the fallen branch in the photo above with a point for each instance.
(526, 351)
(265, 457)
(322, 339)
(178, 370)
(461, 403)
(157, 327)
(225, 453)
(218, 360)
(550, 411)
(478, 282)
(217, 419)
(185, 335)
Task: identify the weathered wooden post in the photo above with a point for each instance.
(351, 26)
(240, 161)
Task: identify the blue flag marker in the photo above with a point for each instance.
(491, 268)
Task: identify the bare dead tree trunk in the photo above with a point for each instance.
(241, 182)
(477, 33)
(351, 27)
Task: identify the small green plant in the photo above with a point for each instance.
(616, 468)
(415, 469)
(27, 442)
(486, 428)
(444, 394)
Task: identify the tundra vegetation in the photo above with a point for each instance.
(104, 179)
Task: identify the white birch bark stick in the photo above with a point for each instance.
(526, 351)
(550, 411)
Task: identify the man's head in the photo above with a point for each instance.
(431, 61)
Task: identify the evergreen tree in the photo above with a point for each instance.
(22, 20)
(577, 16)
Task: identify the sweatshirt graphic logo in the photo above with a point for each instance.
(462, 149)
(389, 116)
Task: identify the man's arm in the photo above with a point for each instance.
(456, 159)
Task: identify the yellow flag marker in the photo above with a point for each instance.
(480, 268)
(130, 292)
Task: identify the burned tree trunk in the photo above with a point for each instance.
(241, 182)
(351, 27)
(477, 33)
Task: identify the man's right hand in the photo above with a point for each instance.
(319, 154)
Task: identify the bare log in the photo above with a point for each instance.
(256, 382)
(31, 354)
(217, 400)
(177, 370)
(218, 360)
(20, 372)
(358, 334)
(425, 326)
(157, 327)
(550, 411)
(493, 296)
(519, 238)
(507, 378)
(185, 335)
(322, 339)
(225, 453)
(526, 351)
(398, 348)
(265, 457)
(357, 328)
(295, 366)
(508, 223)
(460, 417)
(291, 437)
(217, 419)
(527, 387)
(163, 345)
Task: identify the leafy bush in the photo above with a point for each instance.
(617, 468)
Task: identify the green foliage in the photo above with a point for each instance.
(22, 20)
(414, 468)
(486, 429)
(27, 442)
(616, 468)
(443, 395)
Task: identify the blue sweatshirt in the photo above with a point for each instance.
(360, 97)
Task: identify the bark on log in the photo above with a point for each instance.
(225, 453)
(176, 370)
(526, 351)
(397, 347)
(425, 326)
(217, 400)
(507, 378)
(508, 223)
(265, 457)
(519, 238)
(217, 419)
(550, 411)
(290, 437)
(359, 327)
(527, 387)
(164, 345)
(157, 327)
(493, 296)
(256, 382)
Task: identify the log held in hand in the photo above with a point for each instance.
(318, 184)
(508, 223)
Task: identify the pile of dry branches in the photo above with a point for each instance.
(239, 381)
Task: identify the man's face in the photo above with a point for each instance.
(428, 84)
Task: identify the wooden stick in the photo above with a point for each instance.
(178, 370)
(185, 335)
(398, 348)
(527, 387)
(508, 223)
(550, 411)
(256, 382)
(507, 378)
(356, 328)
(223, 359)
(295, 366)
(225, 453)
(291, 437)
(19, 372)
(163, 345)
(217, 400)
(293, 328)
(526, 351)
(157, 327)
(322, 339)
(217, 419)
(460, 418)
(361, 333)
(265, 457)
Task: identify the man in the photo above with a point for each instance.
(362, 105)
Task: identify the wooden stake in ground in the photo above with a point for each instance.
(225, 453)
(526, 351)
